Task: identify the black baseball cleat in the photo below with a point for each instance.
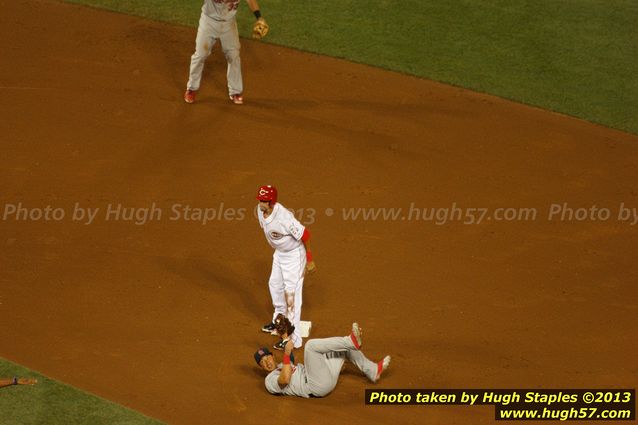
(269, 328)
(280, 345)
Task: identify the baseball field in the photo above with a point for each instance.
(482, 242)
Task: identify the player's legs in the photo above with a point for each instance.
(206, 38)
(293, 266)
(276, 286)
(293, 311)
(324, 359)
(326, 345)
(231, 46)
(365, 365)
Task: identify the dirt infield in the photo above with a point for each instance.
(163, 317)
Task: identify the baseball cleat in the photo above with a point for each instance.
(382, 366)
(280, 345)
(237, 99)
(269, 328)
(355, 336)
(189, 96)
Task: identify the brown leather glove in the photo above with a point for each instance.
(260, 29)
(283, 325)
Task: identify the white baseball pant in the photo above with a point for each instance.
(286, 287)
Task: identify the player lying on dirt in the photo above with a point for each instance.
(324, 359)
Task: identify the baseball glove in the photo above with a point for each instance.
(283, 325)
(260, 29)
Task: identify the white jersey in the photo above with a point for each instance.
(281, 228)
(297, 386)
(220, 10)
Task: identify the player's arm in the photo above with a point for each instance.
(310, 264)
(254, 7)
(300, 233)
(260, 27)
(258, 213)
(286, 371)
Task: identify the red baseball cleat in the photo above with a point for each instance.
(382, 366)
(355, 336)
(237, 99)
(189, 96)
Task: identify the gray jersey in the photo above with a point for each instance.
(220, 10)
(324, 359)
(298, 385)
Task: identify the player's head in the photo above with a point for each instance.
(267, 197)
(265, 359)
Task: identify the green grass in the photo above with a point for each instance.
(577, 57)
(51, 403)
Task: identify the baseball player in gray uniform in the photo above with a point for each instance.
(324, 359)
(217, 22)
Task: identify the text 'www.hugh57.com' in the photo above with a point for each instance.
(454, 213)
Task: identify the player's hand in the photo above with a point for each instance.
(311, 267)
(260, 29)
(289, 346)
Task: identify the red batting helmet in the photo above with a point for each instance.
(267, 193)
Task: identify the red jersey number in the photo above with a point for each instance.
(232, 4)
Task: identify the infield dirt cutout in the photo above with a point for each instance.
(164, 316)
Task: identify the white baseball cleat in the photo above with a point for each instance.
(382, 366)
(355, 336)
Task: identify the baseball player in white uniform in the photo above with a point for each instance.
(217, 22)
(292, 257)
(324, 359)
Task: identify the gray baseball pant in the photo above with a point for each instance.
(324, 359)
(208, 32)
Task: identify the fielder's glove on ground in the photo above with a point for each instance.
(260, 29)
(283, 325)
